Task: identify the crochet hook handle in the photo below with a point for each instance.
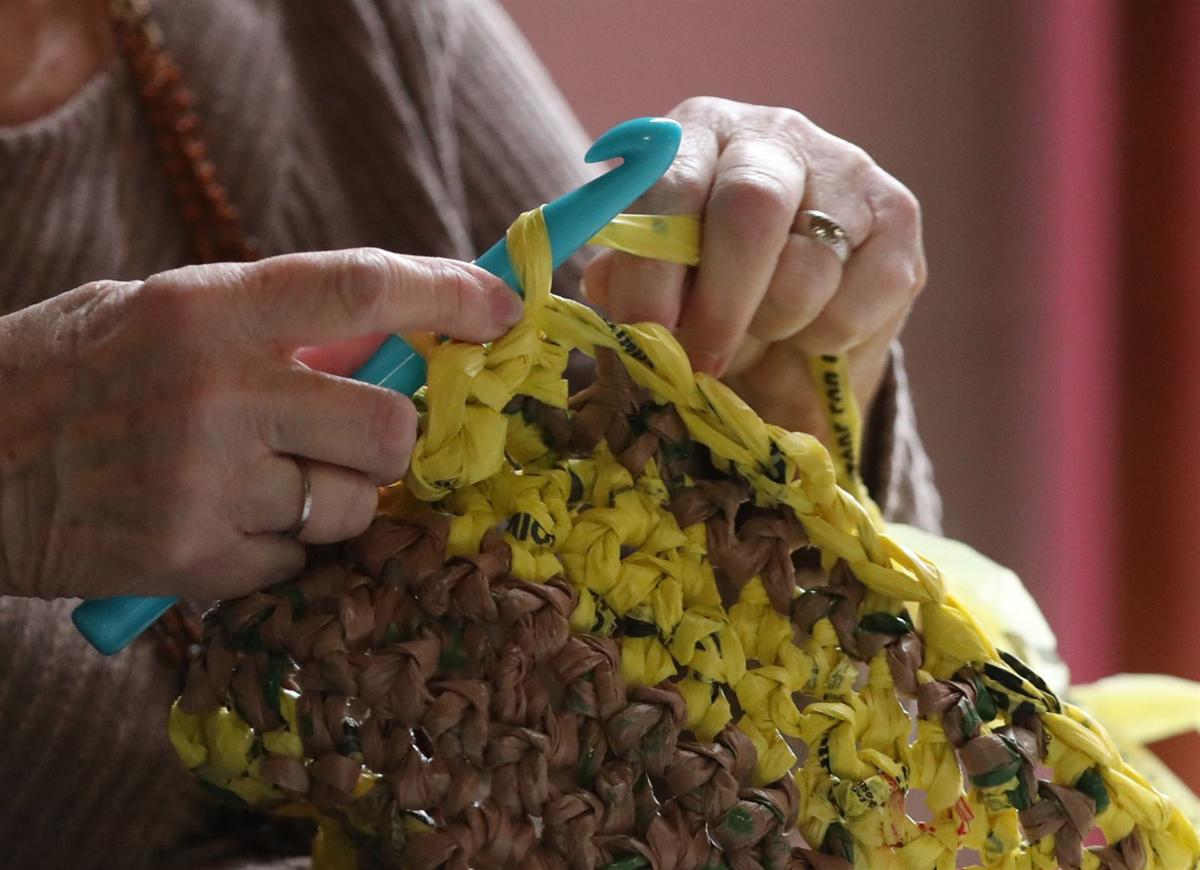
(646, 147)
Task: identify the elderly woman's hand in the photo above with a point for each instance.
(152, 432)
(766, 295)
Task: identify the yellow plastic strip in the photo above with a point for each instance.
(674, 238)
(831, 376)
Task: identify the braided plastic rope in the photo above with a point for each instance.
(640, 627)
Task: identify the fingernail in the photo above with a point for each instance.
(507, 307)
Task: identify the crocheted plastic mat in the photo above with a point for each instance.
(642, 628)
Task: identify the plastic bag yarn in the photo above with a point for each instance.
(640, 627)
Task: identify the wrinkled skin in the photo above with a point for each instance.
(765, 295)
(153, 432)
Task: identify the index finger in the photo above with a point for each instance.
(317, 298)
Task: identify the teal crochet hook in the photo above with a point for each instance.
(646, 147)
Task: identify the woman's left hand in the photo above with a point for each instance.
(766, 295)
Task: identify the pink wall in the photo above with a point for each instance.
(962, 102)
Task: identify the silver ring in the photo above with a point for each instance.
(305, 506)
(820, 227)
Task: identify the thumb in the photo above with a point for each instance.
(326, 297)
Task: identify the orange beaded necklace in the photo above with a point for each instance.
(203, 202)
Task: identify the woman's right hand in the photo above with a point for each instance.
(151, 432)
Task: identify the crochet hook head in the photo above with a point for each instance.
(645, 146)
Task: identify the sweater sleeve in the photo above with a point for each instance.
(516, 143)
(896, 469)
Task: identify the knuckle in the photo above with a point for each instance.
(704, 110)
(906, 276)
(175, 554)
(105, 288)
(363, 274)
(899, 211)
(180, 302)
(790, 124)
(753, 199)
(368, 263)
(791, 131)
(858, 161)
(246, 283)
(846, 167)
(685, 184)
(843, 157)
(694, 104)
(901, 204)
(921, 278)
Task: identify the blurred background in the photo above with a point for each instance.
(1055, 355)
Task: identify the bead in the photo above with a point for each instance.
(202, 202)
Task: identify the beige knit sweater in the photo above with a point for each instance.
(423, 127)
